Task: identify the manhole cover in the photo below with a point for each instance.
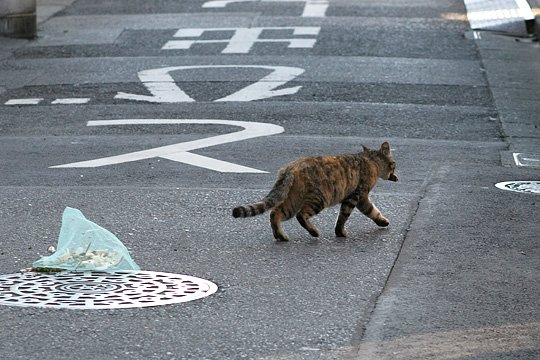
(532, 187)
(99, 290)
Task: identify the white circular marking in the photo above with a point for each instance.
(531, 187)
(100, 290)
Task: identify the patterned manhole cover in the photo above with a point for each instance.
(99, 290)
(532, 187)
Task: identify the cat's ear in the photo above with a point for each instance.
(385, 148)
(365, 148)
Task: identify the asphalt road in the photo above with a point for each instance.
(450, 266)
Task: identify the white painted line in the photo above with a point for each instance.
(243, 39)
(164, 89)
(315, 8)
(69, 101)
(179, 152)
(526, 160)
(222, 3)
(29, 101)
(516, 159)
(312, 8)
(210, 163)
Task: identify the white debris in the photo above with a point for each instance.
(86, 260)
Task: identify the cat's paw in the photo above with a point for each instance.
(314, 232)
(281, 237)
(382, 222)
(341, 232)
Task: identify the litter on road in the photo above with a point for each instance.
(86, 246)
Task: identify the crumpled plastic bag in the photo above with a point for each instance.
(84, 245)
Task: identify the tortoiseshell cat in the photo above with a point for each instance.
(306, 186)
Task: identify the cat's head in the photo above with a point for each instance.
(387, 165)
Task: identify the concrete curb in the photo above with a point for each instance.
(18, 18)
(535, 6)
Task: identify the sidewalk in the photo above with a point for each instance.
(512, 69)
(458, 264)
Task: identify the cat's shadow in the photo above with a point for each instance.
(374, 234)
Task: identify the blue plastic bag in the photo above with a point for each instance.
(84, 245)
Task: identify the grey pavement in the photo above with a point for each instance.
(454, 276)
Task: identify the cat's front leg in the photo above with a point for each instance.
(367, 208)
(345, 210)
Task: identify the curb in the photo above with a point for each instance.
(535, 24)
(18, 18)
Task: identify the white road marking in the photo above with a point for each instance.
(516, 159)
(210, 163)
(522, 159)
(243, 39)
(29, 101)
(312, 8)
(179, 152)
(68, 101)
(164, 89)
(315, 8)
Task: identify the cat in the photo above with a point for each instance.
(306, 186)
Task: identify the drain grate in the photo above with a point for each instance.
(99, 290)
(532, 187)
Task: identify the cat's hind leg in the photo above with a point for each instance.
(303, 218)
(311, 206)
(276, 217)
(367, 208)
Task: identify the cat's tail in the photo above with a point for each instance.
(278, 193)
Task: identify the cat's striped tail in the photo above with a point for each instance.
(276, 196)
(251, 209)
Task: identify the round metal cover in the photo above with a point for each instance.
(100, 290)
(531, 187)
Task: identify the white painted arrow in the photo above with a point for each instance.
(179, 152)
